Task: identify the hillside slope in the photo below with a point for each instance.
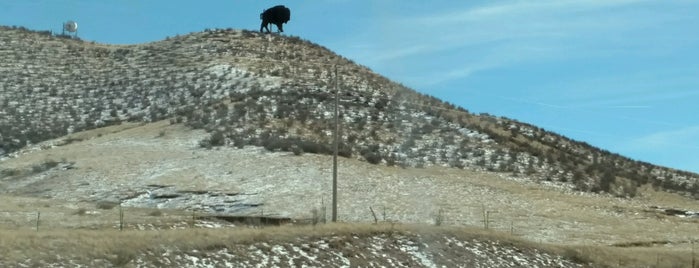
(161, 166)
(181, 133)
(160, 178)
(273, 91)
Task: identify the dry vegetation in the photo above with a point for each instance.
(276, 92)
(578, 226)
(85, 246)
(131, 248)
(176, 127)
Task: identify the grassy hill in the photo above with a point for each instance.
(229, 122)
(277, 92)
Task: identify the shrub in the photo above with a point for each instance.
(46, 165)
(344, 150)
(296, 150)
(216, 139)
(81, 211)
(391, 161)
(314, 147)
(372, 157)
(155, 213)
(9, 172)
(205, 143)
(275, 143)
(106, 205)
(607, 180)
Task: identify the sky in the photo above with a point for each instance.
(621, 75)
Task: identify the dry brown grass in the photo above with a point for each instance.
(86, 244)
(120, 247)
(632, 257)
(597, 256)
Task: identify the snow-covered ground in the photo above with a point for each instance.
(379, 250)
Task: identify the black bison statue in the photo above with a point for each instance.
(277, 15)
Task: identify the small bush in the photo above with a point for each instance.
(296, 150)
(239, 142)
(9, 172)
(81, 211)
(155, 213)
(46, 165)
(205, 143)
(106, 205)
(314, 147)
(372, 157)
(575, 256)
(122, 257)
(217, 139)
(274, 144)
(344, 150)
(391, 161)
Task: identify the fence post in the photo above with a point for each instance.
(260, 222)
(694, 262)
(194, 218)
(383, 214)
(439, 218)
(121, 218)
(38, 216)
(324, 209)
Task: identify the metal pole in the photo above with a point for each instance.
(335, 137)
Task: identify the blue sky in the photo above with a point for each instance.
(622, 75)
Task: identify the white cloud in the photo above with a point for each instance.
(508, 10)
(675, 148)
(630, 107)
(683, 138)
(511, 21)
(402, 52)
(503, 33)
(647, 88)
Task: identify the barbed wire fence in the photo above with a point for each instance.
(132, 218)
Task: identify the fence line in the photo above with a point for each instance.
(125, 218)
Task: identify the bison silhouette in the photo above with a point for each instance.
(277, 15)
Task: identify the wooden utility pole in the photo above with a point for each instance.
(335, 138)
(694, 262)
